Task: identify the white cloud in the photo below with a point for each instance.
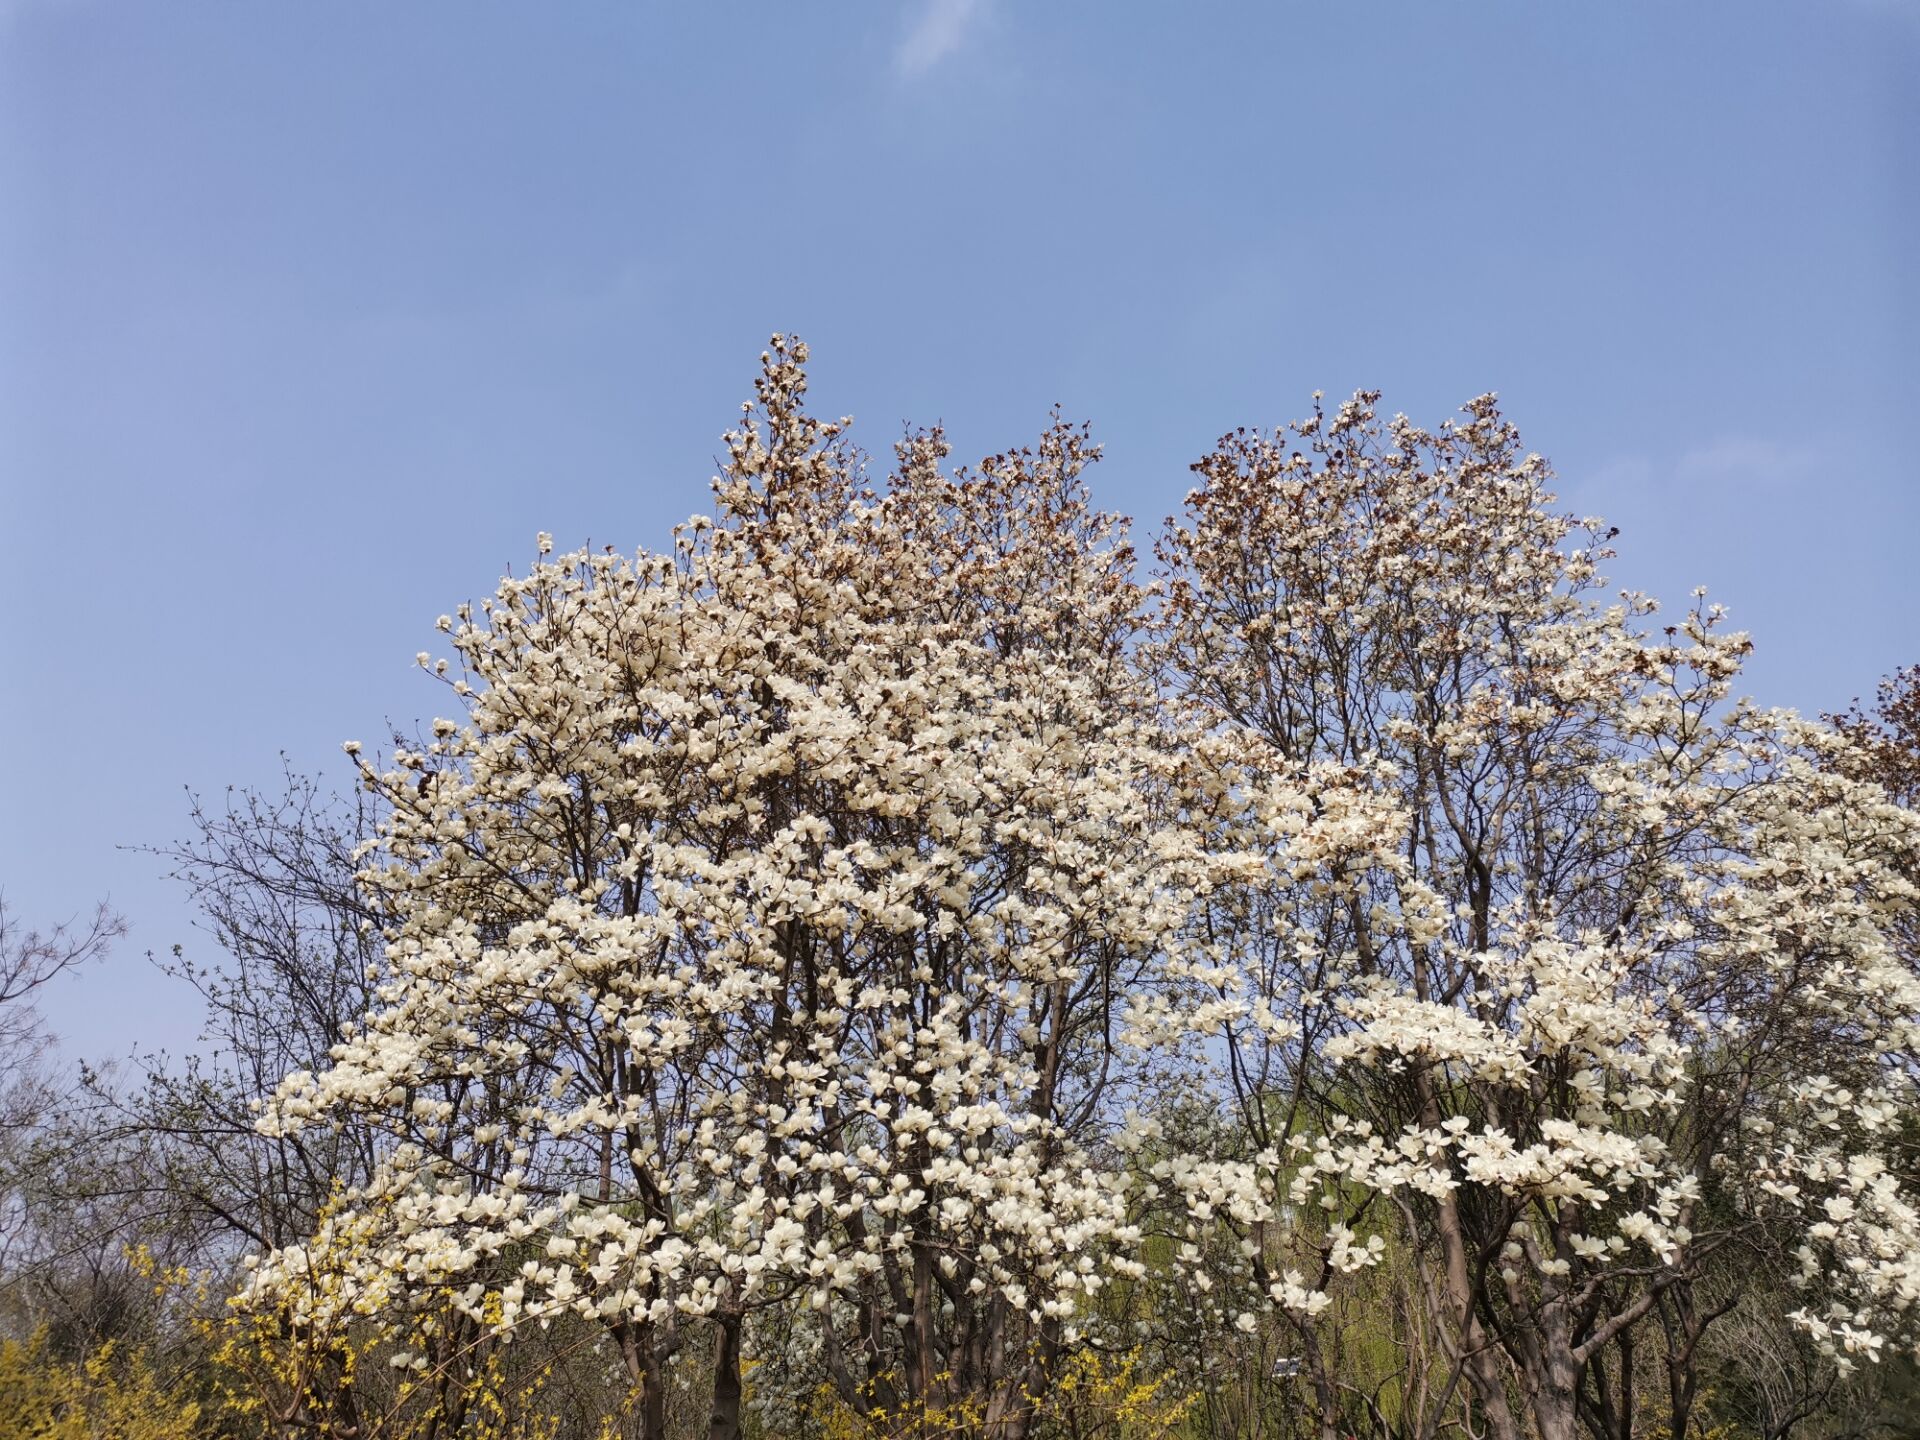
(1744, 461)
(1706, 474)
(941, 29)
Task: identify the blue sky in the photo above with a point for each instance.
(312, 315)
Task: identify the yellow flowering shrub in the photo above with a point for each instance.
(1092, 1395)
(114, 1394)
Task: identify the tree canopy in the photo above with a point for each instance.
(893, 948)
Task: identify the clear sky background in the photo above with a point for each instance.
(311, 315)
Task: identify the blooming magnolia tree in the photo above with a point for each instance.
(1535, 961)
(804, 941)
(782, 890)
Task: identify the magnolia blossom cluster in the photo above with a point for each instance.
(753, 929)
(833, 917)
(1566, 993)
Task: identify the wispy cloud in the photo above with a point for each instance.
(941, 28)
(1741, 460)
(1731, 464)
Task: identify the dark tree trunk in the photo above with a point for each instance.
(725, 1421)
